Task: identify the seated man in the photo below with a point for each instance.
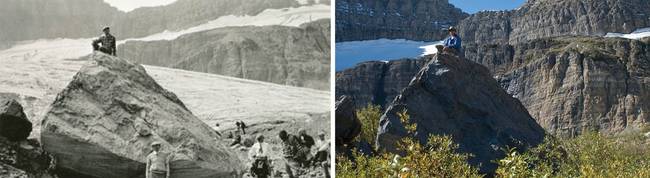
(452, 44)
(107, 42)
(290, 149)
(259, 153)
(321, 158)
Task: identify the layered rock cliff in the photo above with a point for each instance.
(37, 19)
(569, 84)
(423, 20)
(376, 82)
(283, 55)
(572, 85)
(552, 18)
(103, 123)
(456, 97)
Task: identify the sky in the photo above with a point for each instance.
(473, 6)
(128, 5)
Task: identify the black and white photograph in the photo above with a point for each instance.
(165, 88)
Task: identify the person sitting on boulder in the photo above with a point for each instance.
(259, 153)
(157, 162)
(107, 42)
(290, 148)
(452, 44)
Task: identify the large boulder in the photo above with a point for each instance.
(453, 96)
(103, 123)
(14, 125)
(348, 125)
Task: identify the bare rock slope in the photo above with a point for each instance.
(456, 97)
(296, 56)
(109, 115)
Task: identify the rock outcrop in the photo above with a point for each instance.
(376, 82)
(552, 18)
(348, 126)
(572, 85)
(423, 20)
(14, 125)
(103, 122)
(24, 159)
(456, 97)
(568, 84)
(19, 157)
(284, 55)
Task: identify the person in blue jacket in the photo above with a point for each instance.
(452, 44)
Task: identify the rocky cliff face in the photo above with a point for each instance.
(37, 19)
(568, 85)
(34, 19)
(456, 97)
(552, 18)
(376, 82)
(424, 20)
(572, 85)
(109, 115)
(283, 55)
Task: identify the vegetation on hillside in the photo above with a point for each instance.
(588, 155)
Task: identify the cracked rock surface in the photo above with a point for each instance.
(99, 117)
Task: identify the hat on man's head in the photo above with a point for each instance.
(156, 143)
(452, 28)
(106, 28)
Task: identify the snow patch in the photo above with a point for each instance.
(129, 5)
(350, 53)
(638, 34)
(293, 17)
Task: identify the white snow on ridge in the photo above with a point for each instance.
(638, 34)
(129, 5)
(285, 17)
(350, 53)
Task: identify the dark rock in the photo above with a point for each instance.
(14, 125)
(348, 126)
(422, 20)
(456, 97)
(91, 127)
(376, 82)
(24, 159)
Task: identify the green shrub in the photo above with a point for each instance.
(369, 117)
(438, 158)
(588, 155)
